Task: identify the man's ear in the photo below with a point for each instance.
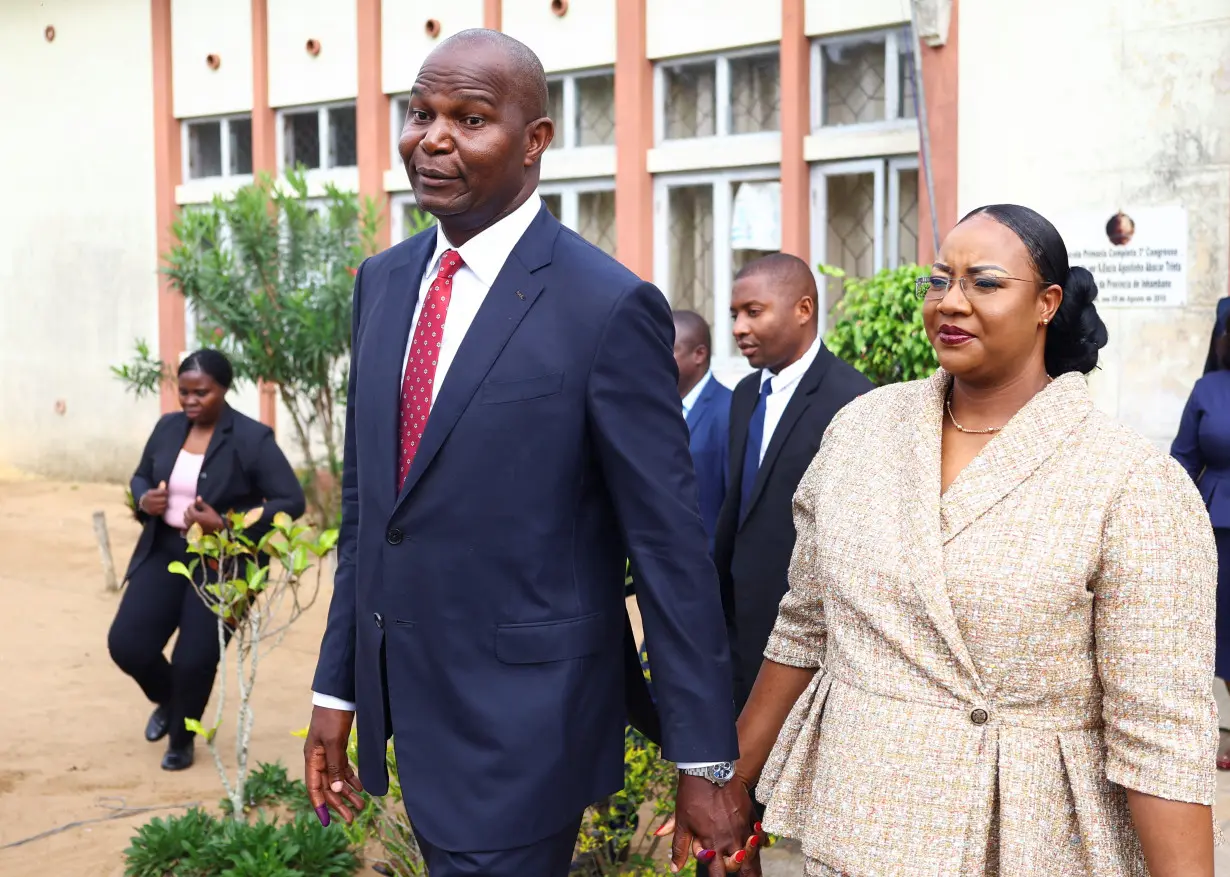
(539, 135)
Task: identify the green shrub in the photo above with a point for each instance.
(270, 784)
(878, 326)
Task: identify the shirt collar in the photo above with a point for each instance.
(689, 401)
(791, 374)
(486, 252)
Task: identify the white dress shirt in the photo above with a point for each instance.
(482, 257)
(689, 401)
(784, 384)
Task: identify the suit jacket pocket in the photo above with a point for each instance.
(497, 392)
(542, 642)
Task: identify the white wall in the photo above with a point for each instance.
(1068, 106)
(198, 30)
(687, 27)
(583, 37)
(77, 248)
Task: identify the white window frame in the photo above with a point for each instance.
(570, 192)
(892, 79)
(322, 132)
(225, 128)
(887, 209)
(721, 92)
(723, 182)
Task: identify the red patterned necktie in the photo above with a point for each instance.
(420, 376)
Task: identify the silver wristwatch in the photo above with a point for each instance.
(718, 774)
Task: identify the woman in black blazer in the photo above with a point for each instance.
(197, 465)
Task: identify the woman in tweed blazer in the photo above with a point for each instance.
(996, 656)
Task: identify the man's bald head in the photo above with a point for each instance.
(788, 276)
(693, 348)
(520, 67)
(692, 329)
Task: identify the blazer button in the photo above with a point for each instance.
(979, 717)
(379, 620)
(394, 536)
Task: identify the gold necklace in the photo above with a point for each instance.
(990, 430)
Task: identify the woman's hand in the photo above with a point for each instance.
(154, 501)
(202, 513)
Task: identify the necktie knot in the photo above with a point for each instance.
(450, 264)
(766, 389)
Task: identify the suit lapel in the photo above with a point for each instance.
(703, 409)
(390, 321)
(510, 298)
(799, 403)
(742, 406)
(1029, 440)
(222, 432)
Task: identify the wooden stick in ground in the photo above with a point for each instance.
(104, 550)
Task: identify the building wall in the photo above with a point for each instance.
(77, 274)
(1124, 104)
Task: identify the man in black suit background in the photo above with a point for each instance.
(777, 418)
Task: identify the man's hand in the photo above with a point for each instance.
(330, 780)
(154, 501)
(715, 823)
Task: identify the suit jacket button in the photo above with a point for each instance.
(979, 717)
(394, 536)
(379, 620)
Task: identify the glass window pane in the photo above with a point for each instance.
(414, 220)
(555, 204)
(596, 219)
(343, 145)
(301, 139)
(691, 102)
(204, 150)
(690, 210)
(907, 107)
(555, 110)
(755, 94)
(907, 217)
(241, 146)
(854, 90)
(851, 229)
(596, 110)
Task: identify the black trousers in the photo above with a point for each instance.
(155, 604)
(549, 857)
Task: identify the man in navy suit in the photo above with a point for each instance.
(513, 434)
(706, 408)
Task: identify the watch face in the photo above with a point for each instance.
(723, 772)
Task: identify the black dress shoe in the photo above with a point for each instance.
(179, 757)
(158, 725)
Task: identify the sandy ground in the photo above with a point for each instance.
(71, 724)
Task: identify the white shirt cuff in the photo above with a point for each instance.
(332, 703)
(693, 765)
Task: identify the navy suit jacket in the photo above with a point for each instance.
(1219, 326)
(709, 423)
(478, 615)
(1203, 443)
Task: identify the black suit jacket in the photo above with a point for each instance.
(243, 468)
(752, 556)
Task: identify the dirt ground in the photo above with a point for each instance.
(71, 724)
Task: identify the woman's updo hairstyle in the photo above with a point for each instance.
(1076, 333)
(209, 362)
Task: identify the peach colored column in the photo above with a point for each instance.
(633, 139)
(167, 172)
(264, 153)
(940, 82)
(372, 115)
(493, 14)
(795, 122)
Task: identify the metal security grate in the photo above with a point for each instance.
(555, 109)
(854, 86)
(691, 258)
(691, 102)
(755, 94)
(595, 110)
(343, 141)
(241, 146)
(555, 204)
(596, 219)
(907, 217)
(851, 228)
(301, 138)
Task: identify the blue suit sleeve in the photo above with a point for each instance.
(1186, 445)
(335, 667)
(642, 442)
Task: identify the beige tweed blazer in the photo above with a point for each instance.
(994, 666)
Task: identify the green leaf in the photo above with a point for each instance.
(196, 727)
(178, 567)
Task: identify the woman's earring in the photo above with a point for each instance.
(1045, 321)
